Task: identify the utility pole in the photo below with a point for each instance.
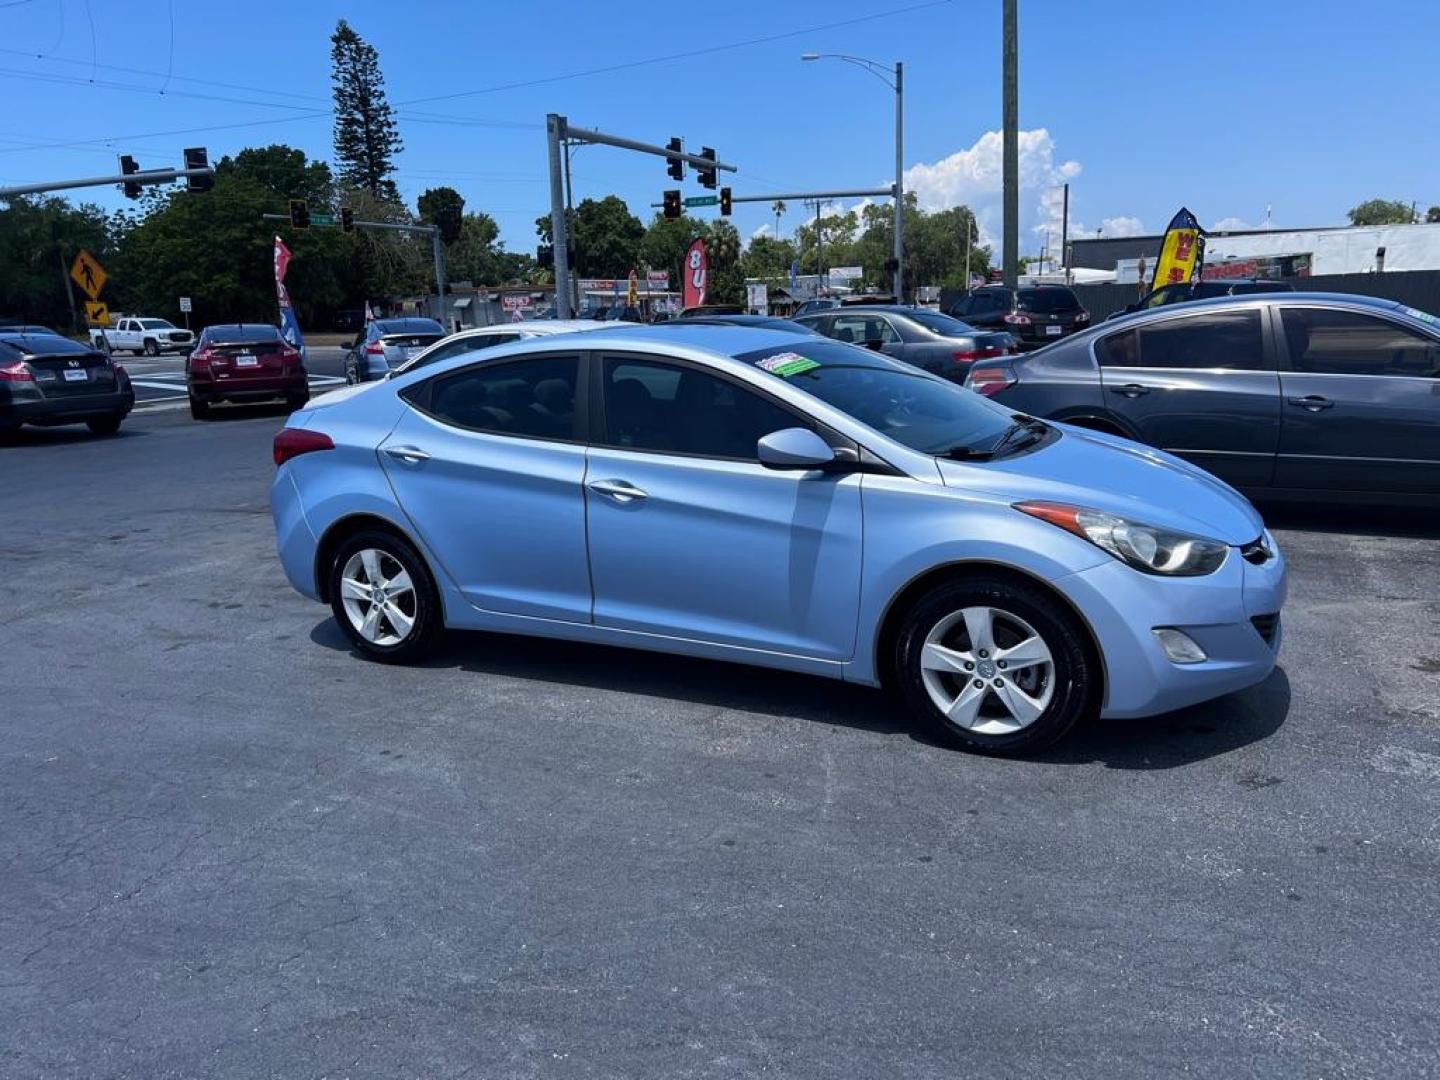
(899, 182)
(1065, 235)
(1010, 64)
(69, 288)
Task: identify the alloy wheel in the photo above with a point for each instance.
(379, 597)
(987, 670)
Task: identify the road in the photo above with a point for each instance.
(160, 380)
(231, 848)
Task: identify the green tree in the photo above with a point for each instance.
(1382, 212)
(727, 278)
(665, 241)
(442, 206)
(39, 238)
(1432, 215)
(770, 259)
(607, 238)
(366, 135)
(285, 172)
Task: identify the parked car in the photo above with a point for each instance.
(1034, 314)
(487, 337)
(141, 334)
(47, 380)
(1202, 290)
(1331, 396)
(244, 362)
(27, 328)
(758, 322)
(829, 303)
(937, 343)
(711, 309)
(385, 344)
(810, 307)
(788, 501)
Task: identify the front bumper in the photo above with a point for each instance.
(1124, 607)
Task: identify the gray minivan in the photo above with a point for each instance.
(1320, 394)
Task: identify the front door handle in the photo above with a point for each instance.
(411, 455)
(619, 490)
(1313, 402)
(1132, 390)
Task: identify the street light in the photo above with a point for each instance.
(895, 79)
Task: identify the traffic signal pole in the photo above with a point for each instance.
(147, 176)
(557, 132)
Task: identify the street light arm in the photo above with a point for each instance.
(883, 72)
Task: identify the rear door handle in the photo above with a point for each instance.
(411, 455)
(1313, 402)
(619, 490)
(1132, 390)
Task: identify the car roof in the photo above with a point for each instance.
(893, 309)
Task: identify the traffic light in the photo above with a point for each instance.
(197, 158)
(545, 257)
(675, 167)
(706, 175)
(672, 204)
(347, 219)
(299, 214)
(127, 168)
(726, 203)
(448, 222)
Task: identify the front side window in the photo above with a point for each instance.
(1228, 340)
(664, 408)
(1328, 342)
(863, 328)
(533, 398)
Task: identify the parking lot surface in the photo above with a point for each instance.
(233, 849)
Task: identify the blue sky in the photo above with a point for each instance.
(1226, 107)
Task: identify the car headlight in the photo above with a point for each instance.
(1148, 548)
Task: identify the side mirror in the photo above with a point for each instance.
(794, 448)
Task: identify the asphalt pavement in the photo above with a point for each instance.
(231, 848)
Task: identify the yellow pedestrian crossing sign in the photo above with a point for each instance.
(88, 274)
(97, 313)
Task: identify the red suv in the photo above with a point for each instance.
(244, 362)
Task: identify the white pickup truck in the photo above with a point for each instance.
(139, 334)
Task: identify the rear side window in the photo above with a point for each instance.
(1327, 342)
(862, 328)
(532, 399)
(1228, 340)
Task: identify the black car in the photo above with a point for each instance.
(760, 322)
(1184, 292)
(929, 340)
(1321, 396)
(49, 380)
(1034, 314)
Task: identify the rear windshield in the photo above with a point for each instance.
(917, 410)
(1048, 301)
(45, 345)
(409, 326)
(941, 324)
(237, 334)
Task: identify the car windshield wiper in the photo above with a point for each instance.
(1036, 429)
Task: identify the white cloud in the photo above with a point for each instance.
(1122, 226)
(1231, 224)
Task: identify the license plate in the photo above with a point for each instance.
(410, 354)
(72, 375)
(246, 360)
(1052, 331)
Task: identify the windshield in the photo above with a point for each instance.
(940, 324)
(155, 324)
(1048, 301)
(902, 403)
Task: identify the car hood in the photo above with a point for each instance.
(1087, 468)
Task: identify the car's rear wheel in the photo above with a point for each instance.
(199, 409)
(296, 401)
(151, 349)
(384, 598)
(996, 666)
(104, 425)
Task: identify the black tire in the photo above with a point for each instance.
(199, 409)
(296, 401)
(1074, 680)
(427, 615)
(104, 425)
(151, 349)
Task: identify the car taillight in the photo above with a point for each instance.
(1082, 316)
(969, 356)
(19, 371)
(200, 360)
(292, 442)
(289, 355)
(374, 348)
(990, 380)
(1017, 319)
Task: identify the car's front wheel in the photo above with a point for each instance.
(384, 598)
(995, 665)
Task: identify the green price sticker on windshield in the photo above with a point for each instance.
(786, 364)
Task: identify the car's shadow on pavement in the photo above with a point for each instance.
(1398, 521)
(221, 413)
(1161, 742)
(64, 436)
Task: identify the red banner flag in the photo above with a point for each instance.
(696, 275)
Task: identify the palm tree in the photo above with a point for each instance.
(778, 208)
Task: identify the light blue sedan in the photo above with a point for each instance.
(773, 499)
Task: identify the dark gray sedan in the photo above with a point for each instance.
(937, 343)
(1318, 394)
